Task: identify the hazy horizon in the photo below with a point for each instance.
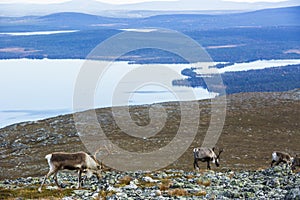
(135, 8)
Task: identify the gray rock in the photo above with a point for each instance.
(265, 184)
(80, 192)
(112, 181)
(131, 186)
(67, 198)
(121, 195)
(149, 180)
(293, 194)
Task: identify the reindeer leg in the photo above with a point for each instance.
(208, 165)
(83, 180)
(79, 178)
(55, 179)
(287, 164)
(293, 166)
(272, 163)
(40, 188)
(51, 171)
(196, 166)
(278, 162)
(98, 175)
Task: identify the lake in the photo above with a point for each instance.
(38, 89)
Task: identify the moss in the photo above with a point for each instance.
(165, 184)
(144, 184)
(201, 193)
(166, 181)
(118, 185)
(125, 180)
(103, 194)
(204, 182)
(32, 193)
(163, 187)
(178, 192)
(189, 176)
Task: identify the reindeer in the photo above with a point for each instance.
(80, 161)
(278, 157)
(295, 162)
(205, 154)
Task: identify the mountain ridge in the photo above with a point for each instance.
(287, 16)
(96, 7)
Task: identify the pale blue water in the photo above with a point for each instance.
(38, 89)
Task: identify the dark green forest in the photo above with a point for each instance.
(264, 80)
(248, 44)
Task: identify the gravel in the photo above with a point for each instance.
(278, 182)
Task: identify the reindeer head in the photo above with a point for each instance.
(104, 151)
(217, 158)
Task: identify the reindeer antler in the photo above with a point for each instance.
(96, 152)
(104, 147)
(220, 151)
(103, 155)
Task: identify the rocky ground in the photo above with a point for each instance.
(278, 182)
(256, 124)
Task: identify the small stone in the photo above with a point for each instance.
(67, 198)
(95, 196)
(51, 187)
(87, 194)
(79, 192)
(293, 194)
(113, 189)
(157, 193)
(94, 187)
(131, 186)
(121, 195)
(149, 179)
(112, 181)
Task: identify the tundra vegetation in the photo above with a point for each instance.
(252, 119)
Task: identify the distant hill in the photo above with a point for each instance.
(240, 37)
(268, 17)
(15, 8)
(253, 120)
(75, 19)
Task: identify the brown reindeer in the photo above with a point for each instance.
(80, 161)
(295, 162)
(205, 154)
(279, 157)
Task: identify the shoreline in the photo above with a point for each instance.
(56, 77)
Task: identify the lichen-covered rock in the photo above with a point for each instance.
(270, 183)
(293, 194)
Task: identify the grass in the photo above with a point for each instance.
(32, 193)
(204, 182)
(201, 193)
(165, 184)
(125, 180)
(144, 184)
(178, 192)
(183, 192)
(189, 176)
(103, 194)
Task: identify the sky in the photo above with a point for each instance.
(119, 2)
